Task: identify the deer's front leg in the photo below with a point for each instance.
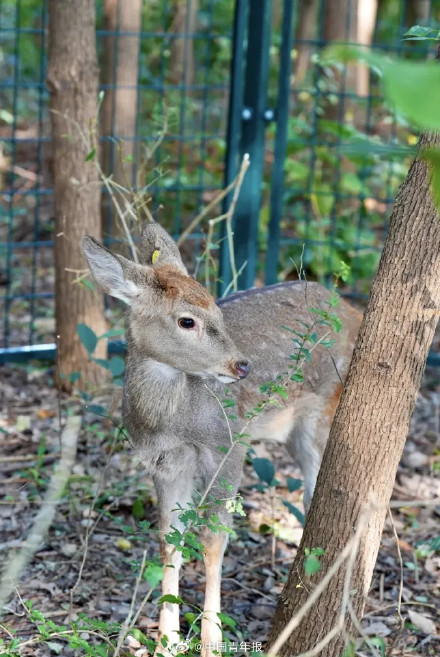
(211, 635)
(170, 494)
(215, 545)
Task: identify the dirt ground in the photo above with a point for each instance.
(107, 495)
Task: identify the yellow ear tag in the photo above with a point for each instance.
(156, 254)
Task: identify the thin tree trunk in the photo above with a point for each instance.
(371, 423)
(73, 83)
(340, 24)
(182, 48)
(119, 110)
(417, 11)
(366, 22)
(304, 33)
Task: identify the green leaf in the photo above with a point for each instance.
(153, 573)
(265, 469)
(173, 599)
(95, 408)
(88, 284)
(380, 643)
(227, 620)
(312, 564)
(116, 365)
(405, 83)
(91, 155)
(295, 512)
(88, 337)
(138, 510)
(138, 634)
(113, 333)
(294, 484)
(103, 362)
(421, 33)
(350, 650)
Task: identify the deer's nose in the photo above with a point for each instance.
(242, 367)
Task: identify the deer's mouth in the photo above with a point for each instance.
(226, 378)
(236, 371)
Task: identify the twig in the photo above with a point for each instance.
(91, 529)
(44, 517)
(399, 600)
(126, 624)
(412, 603)
(223, 411)
(226, 217)
(324, 641)
(6, 631)
(141, 606)
(241, 174)
(397, 504)
(350, 548)
(360, 630)
(234, 279)
(88, 144)
(27, 457)
(206, 210)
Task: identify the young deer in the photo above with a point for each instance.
(180, 355)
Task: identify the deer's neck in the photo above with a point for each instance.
(153, 392)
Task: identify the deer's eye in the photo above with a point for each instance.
(186, 323)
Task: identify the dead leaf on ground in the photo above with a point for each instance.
(422, 622)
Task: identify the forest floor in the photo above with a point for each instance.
(89, 560)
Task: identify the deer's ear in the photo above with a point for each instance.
(158, 248)
(114, 274)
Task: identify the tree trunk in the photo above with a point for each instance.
(340, 24)
(304, 34)
(366, 22)
(417, 11)
(182, 48)
(119, 109)
(73, 83)
(371, 423)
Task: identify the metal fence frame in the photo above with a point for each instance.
(249, 115)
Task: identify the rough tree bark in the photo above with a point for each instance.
(119, 110)
(182, 69)
(372, 420)
(73, 83)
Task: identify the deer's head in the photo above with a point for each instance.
(171, 318)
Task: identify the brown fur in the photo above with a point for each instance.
(332, 403)
(177, 285)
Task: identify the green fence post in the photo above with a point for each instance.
(234, 127)
(282, 124)
(245, 222)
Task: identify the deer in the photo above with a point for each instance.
(183, 348)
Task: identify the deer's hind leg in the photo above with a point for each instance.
(309, 435)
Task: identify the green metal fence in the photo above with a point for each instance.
(226, 78)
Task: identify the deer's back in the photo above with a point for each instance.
(259, 321)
